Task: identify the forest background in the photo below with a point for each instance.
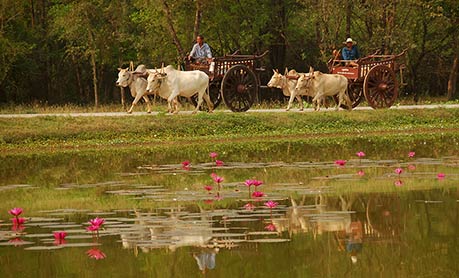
(64, 51)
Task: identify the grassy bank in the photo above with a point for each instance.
(54, 134)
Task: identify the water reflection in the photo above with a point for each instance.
(205, 258)
(330, 221)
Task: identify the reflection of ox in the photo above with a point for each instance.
(136, 83)
(171, 83)
(172, 232)
(322, 85)
(315, 218)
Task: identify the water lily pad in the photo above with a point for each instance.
(269, 240)
(16, 243)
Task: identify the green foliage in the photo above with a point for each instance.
(52, 41)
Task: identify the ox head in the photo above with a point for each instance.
(123, 77)
(277, 80)
(305, 80)
(155, 79)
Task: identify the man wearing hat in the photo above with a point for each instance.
(350, 51)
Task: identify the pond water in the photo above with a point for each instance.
(333, 213)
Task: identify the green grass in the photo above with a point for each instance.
(53, 134)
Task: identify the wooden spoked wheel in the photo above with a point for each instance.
(380, 87)
(239, 88)
(214, 94)
(355, 93)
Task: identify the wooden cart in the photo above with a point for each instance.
(235, 80)
(373, 76)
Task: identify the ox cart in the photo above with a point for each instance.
(234, 78)
(373, 76)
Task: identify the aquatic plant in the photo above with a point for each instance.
(219, 162)
(59, 237)
(257, 194)
(95, 224)
(96, 253)
(270, 227)
(441, 176)
(15, 211)
(186, 165)
(340, 162)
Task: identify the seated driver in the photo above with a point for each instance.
(200, 53)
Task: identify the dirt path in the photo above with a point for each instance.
(295, 110)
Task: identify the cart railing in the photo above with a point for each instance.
(363, 65)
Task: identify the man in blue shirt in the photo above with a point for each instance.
(350, 52)
(201, 51)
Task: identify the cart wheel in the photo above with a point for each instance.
(239, 88)
(214, 94)
(380, 87)
(355, 93)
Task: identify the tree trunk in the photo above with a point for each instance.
(92, 54)
(452, 81)
(94, 78)
(278, 47)
(32, 11)
(170, 26)
(197, 18)
(348, 18)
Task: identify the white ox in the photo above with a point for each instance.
(322, 85)
(287, 84)
(170, 83)
(136, 83)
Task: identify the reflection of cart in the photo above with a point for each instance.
(373, 76)
(235, 80)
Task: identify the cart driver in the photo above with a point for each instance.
(350, 52)
(200, 52)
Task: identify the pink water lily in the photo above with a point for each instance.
(186, 163)
(361, 173)
(257, 194)
(95, 253)
(96, 224)
(398, 183)
(208, 187)
(15, 211)
(60, 235)
(411, 154)
(219, 162)
(248, 183)
(398, 171)
(18, 221)
(411, 167)
(257, 183)
(97, 221)
(271, 204)
(93, 228)
(249, 206)
(217, 179)
(360, 154)
(441, 176)
(213, 155)
(270, 227)
(340, 162)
